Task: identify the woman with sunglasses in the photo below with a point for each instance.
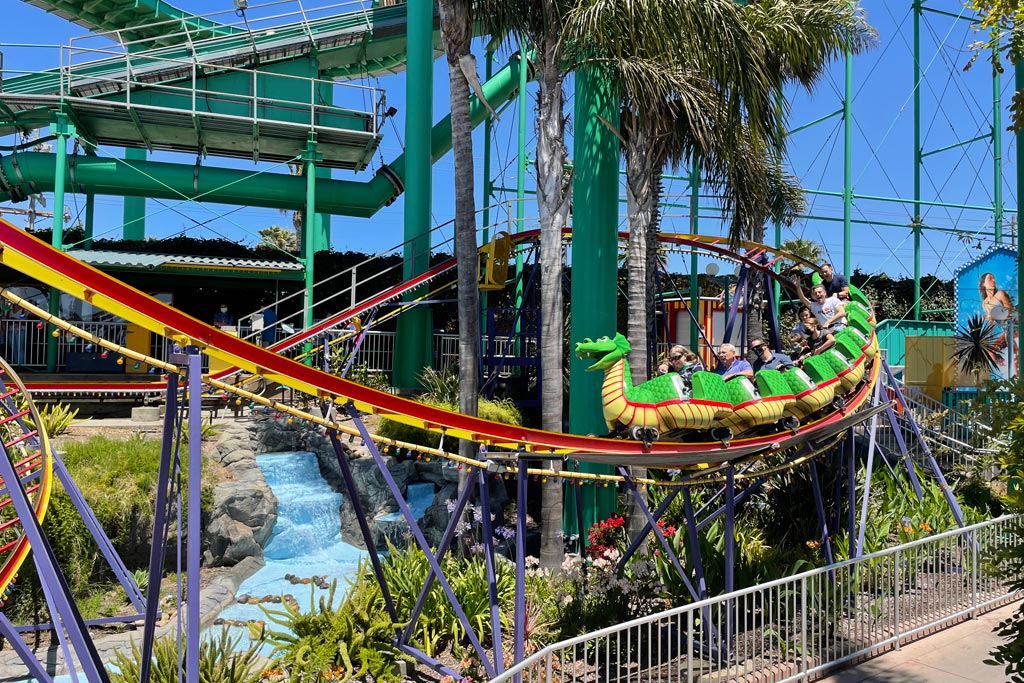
(683, 361)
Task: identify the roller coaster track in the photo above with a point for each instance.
(50, 266)
(710, 244)
(27, 449)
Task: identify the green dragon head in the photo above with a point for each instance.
(607, 351)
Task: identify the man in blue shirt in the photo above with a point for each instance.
(764, 357)
(835, 283)
(730, 365)
(223, 318)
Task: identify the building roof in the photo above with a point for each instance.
(222, 266)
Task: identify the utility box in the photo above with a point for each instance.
(930, 366)
(140, 340)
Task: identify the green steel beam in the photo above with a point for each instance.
(918, 160)
(594, 264)
(1018, 84)
(90, 220)
(955, 145)
(107, 176)
(816, 121)
(898, 200)
(997, 146)
(932, 10)
(847, 160)
(63, 130)
(133, 226)
(694, 285)
(414, 335)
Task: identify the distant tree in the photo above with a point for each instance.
(808, 250)
(282, 238)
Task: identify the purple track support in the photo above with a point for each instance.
(63, 609)
(35, 669)
(730, 550)
(442, 549)
(487, 531)
(851, 493)
(730, 527)
(160, 519)
(652, 522)
(106, 548)
(868, 469)
(740, 497)
(429, 661)
(358, 344)
(904, 451)
(639, 539)
(194, 533)
(819, 506)
(773, 319)
(435, 567)
(934, 466)
(691, 531)
(364, 527)
(519, 627)
(730, 320)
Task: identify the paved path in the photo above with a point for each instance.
(954, 655)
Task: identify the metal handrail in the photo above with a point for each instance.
(968, 541)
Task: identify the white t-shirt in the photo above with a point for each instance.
(825, 310)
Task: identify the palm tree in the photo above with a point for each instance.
(808, 250)
(281, 238)
(457, 31)
(701, 82)
(538, 23)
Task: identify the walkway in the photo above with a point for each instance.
(954, 655)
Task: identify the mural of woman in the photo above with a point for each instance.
(995, 300)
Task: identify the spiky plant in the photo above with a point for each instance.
(977, 350)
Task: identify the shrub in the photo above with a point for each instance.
(354, 639)
(220, 661)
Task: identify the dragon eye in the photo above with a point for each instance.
(604, 339)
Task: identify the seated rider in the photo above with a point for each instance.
(819, 340)
(730, 364)
(765, 358)
(681, 360)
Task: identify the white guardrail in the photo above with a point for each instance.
(795, 628)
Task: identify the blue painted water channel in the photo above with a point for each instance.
(306, 541)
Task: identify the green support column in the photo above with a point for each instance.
(63, 129)
(414, 340)
(521, 103)
(134, 227)
(997, 149)
(1018, 72)
(90, 219)
(847, 163)
(694, 283)
(488, 184)
(595, 247)
(309, 237)
(917, 221)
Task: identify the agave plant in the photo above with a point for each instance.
(977, 346)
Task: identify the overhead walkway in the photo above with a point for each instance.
(132, 19)
(261, 95)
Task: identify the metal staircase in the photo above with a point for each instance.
(955, 438)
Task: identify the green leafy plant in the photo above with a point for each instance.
(976, 351)
(351, 640)
(220, 661)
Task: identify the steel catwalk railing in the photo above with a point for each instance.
(798, 627)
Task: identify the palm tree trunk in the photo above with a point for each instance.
(644, 158)
(754, 305)
(553, 212)
(456, 27)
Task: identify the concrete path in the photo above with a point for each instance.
(954, 655)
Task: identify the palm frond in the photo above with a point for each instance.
(976, 346)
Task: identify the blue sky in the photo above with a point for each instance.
(957, 106)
